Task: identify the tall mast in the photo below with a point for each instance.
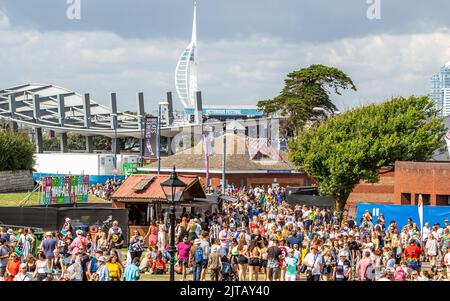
(194, 25)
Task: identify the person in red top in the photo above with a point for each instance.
(253, 224)
(12, 269)
(412, 255)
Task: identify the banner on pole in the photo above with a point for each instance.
(150, 138)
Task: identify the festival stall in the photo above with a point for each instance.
(145, 200)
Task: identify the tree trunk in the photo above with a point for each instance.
(341, 199)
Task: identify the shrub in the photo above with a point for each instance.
(16, 151)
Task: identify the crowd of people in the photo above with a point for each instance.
(105, 191)
(257, 237)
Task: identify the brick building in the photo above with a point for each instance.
(430, 179)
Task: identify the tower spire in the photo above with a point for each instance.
(194, 25)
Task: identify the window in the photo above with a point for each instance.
(425, 199)
(406, 199)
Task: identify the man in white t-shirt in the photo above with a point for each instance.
(314, 263)
(425, 232)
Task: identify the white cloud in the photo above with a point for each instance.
(230, 71)
(4, 19)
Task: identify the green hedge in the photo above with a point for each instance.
(16, 151)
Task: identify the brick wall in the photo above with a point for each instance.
(426, 178)
(16, 181)
(379, 193)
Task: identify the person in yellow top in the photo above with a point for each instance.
(114, 268)
(278, 235)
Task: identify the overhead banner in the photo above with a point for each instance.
(150, 137)
(65, 189)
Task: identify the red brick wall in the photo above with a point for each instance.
(381, 192)
(416, 178)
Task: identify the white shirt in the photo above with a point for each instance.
(309, 261)
(426, 232)
(23, 277)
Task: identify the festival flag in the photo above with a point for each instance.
(207, 149)
(420, 208)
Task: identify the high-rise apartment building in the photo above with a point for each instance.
(440, 90)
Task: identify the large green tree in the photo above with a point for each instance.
(306, 96)
(16, 151)
(354, 146)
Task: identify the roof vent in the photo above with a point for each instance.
(142, 184)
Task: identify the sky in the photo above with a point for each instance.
(245, 47)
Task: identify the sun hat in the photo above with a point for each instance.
(10, 231)
(102, 259)
(67, 219)
(343, 253)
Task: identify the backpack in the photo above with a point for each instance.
(226, 268)
(198, 255)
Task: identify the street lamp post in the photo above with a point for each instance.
(173, 189)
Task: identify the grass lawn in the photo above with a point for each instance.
(13, 199)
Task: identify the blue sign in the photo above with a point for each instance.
(288, 171)
(401, 213)
(225, 112)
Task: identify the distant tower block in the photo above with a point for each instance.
(186, 70)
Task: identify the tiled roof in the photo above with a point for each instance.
(239, 159)
(153, 191)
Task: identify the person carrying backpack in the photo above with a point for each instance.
(196, 259)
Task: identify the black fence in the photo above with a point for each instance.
(51, 218)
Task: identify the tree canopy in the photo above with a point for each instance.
(17, 152)
(306, 96)
(354, 146)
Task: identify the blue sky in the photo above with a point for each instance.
(246, 47)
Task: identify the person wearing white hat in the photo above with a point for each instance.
(342, 271)
(196, 259)
(67, 227)
(102, 273)
(23, 275)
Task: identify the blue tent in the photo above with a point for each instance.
(401, 213)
